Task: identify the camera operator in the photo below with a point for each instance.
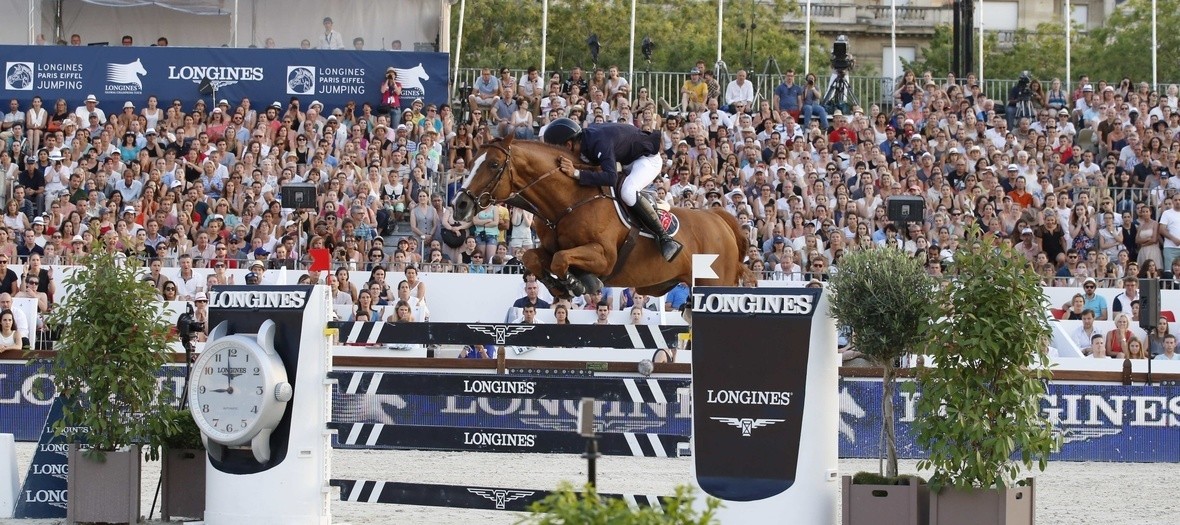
(1019, 101)
(391, 96)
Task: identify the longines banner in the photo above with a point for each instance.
(1096, 422)
(119, 74)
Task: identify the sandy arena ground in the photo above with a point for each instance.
(1067, 493)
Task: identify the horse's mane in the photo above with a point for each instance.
(556, 150)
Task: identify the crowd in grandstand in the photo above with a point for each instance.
(1085, 186)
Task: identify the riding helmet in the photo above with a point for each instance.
(561, 131)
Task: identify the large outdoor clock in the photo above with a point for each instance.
(238, 391)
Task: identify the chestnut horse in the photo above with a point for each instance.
(580, 232)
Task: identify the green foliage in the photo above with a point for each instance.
(980, 403)
(507, 33)
(873, 478)
(1119, 48)
(882, 296)
(1122, 46)
(110, 348)
(565, 506)
(177, 431)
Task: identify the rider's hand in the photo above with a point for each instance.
(566, 166)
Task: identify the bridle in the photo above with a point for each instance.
(517, 198)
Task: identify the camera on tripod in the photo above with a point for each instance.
(1022, 92)
(841, 60)
(187, 325)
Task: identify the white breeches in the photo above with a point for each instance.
(642, 173)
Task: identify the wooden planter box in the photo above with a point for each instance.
(182, 473)
(1008, 506)
(884, 504)
(106, 491)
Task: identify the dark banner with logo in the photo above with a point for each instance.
(119, 74)
(750, 420)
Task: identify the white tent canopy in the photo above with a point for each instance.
(212, 22)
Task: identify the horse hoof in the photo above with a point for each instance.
(590, 281)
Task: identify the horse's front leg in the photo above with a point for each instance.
(589, 258)
(537, 261)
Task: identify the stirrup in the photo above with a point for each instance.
(669, 247)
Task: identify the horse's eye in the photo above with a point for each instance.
(493, 165)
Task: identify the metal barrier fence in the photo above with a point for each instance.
(666, 85)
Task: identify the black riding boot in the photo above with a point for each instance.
(647, 217)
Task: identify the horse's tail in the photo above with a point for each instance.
(745, 274)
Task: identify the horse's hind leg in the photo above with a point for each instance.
(538, 261)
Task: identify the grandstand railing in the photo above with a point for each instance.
(666, 85)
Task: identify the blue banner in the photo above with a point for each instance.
(119, 74)
(1096, 422)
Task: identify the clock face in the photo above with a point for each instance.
(231, 385)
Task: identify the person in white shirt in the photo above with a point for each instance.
(1169, 349)
(1170, 231)
(331, 38)
(739, 90)
(90, 108)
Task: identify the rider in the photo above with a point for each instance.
(606, 145)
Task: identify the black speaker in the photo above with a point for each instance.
(1149, 303)
(205, 86)
(905, 208)
(299, 196)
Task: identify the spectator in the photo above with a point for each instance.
(602, 313)
(331, 38)
(531, 289)
(1169, 353)
(1095, 302)
(1097, 348)
(10, 337)
(485, 92)
(1084, 334)
(561, 314)
(1119, 339)
(1130, 294)
(128, 41)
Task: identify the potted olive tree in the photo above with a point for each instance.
(110, 347)
(881, 296)
(979, 416)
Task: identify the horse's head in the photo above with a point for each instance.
(485, 184)
(137, 66)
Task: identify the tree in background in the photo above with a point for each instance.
(1120, 48)
(1040, 51)
(507, 33)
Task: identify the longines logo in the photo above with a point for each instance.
(501, 496)
(291, 300)
(300, 80)
(499, 439)
(124, 78)
(752, 304)
(495, 386)
(219, 76)
(18, 76)
(745, 424)
(500, 331)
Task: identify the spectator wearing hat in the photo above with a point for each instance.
(90, 108)
(694, 93)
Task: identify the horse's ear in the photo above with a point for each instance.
(509, 136)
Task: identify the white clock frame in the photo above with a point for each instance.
(270, 388)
